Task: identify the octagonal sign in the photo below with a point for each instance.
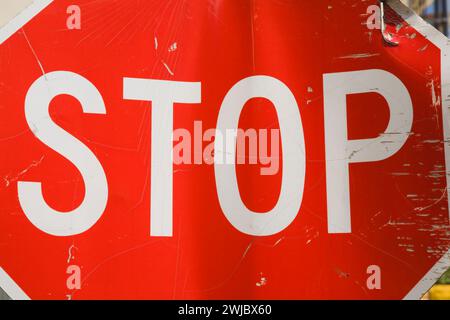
(222, 150)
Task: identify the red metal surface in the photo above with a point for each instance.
(399, 205)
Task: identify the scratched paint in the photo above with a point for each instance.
(399, 206)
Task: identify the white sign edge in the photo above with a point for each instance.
(22, 18)
(443, 43)
(11, 288)
(8, 285)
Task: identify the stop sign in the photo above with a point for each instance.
(222, 149)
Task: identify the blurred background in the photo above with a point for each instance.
(434, 11)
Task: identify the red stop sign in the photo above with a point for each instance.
(129, 170)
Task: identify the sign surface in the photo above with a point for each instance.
(222, 150)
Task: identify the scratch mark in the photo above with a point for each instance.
(278, 241)
(246, 251)
(156, 43)
(423, 48)
(70, 257)
(342, 274)
(34, 53)
(359, 56)
(435, 98)
(167, 68)
(262, 281)
(173, 47)
(8, 180)
(420, 209)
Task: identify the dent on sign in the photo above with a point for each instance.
(215, 150)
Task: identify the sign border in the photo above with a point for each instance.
(22, 18)
(8, 285)
(443, 43)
